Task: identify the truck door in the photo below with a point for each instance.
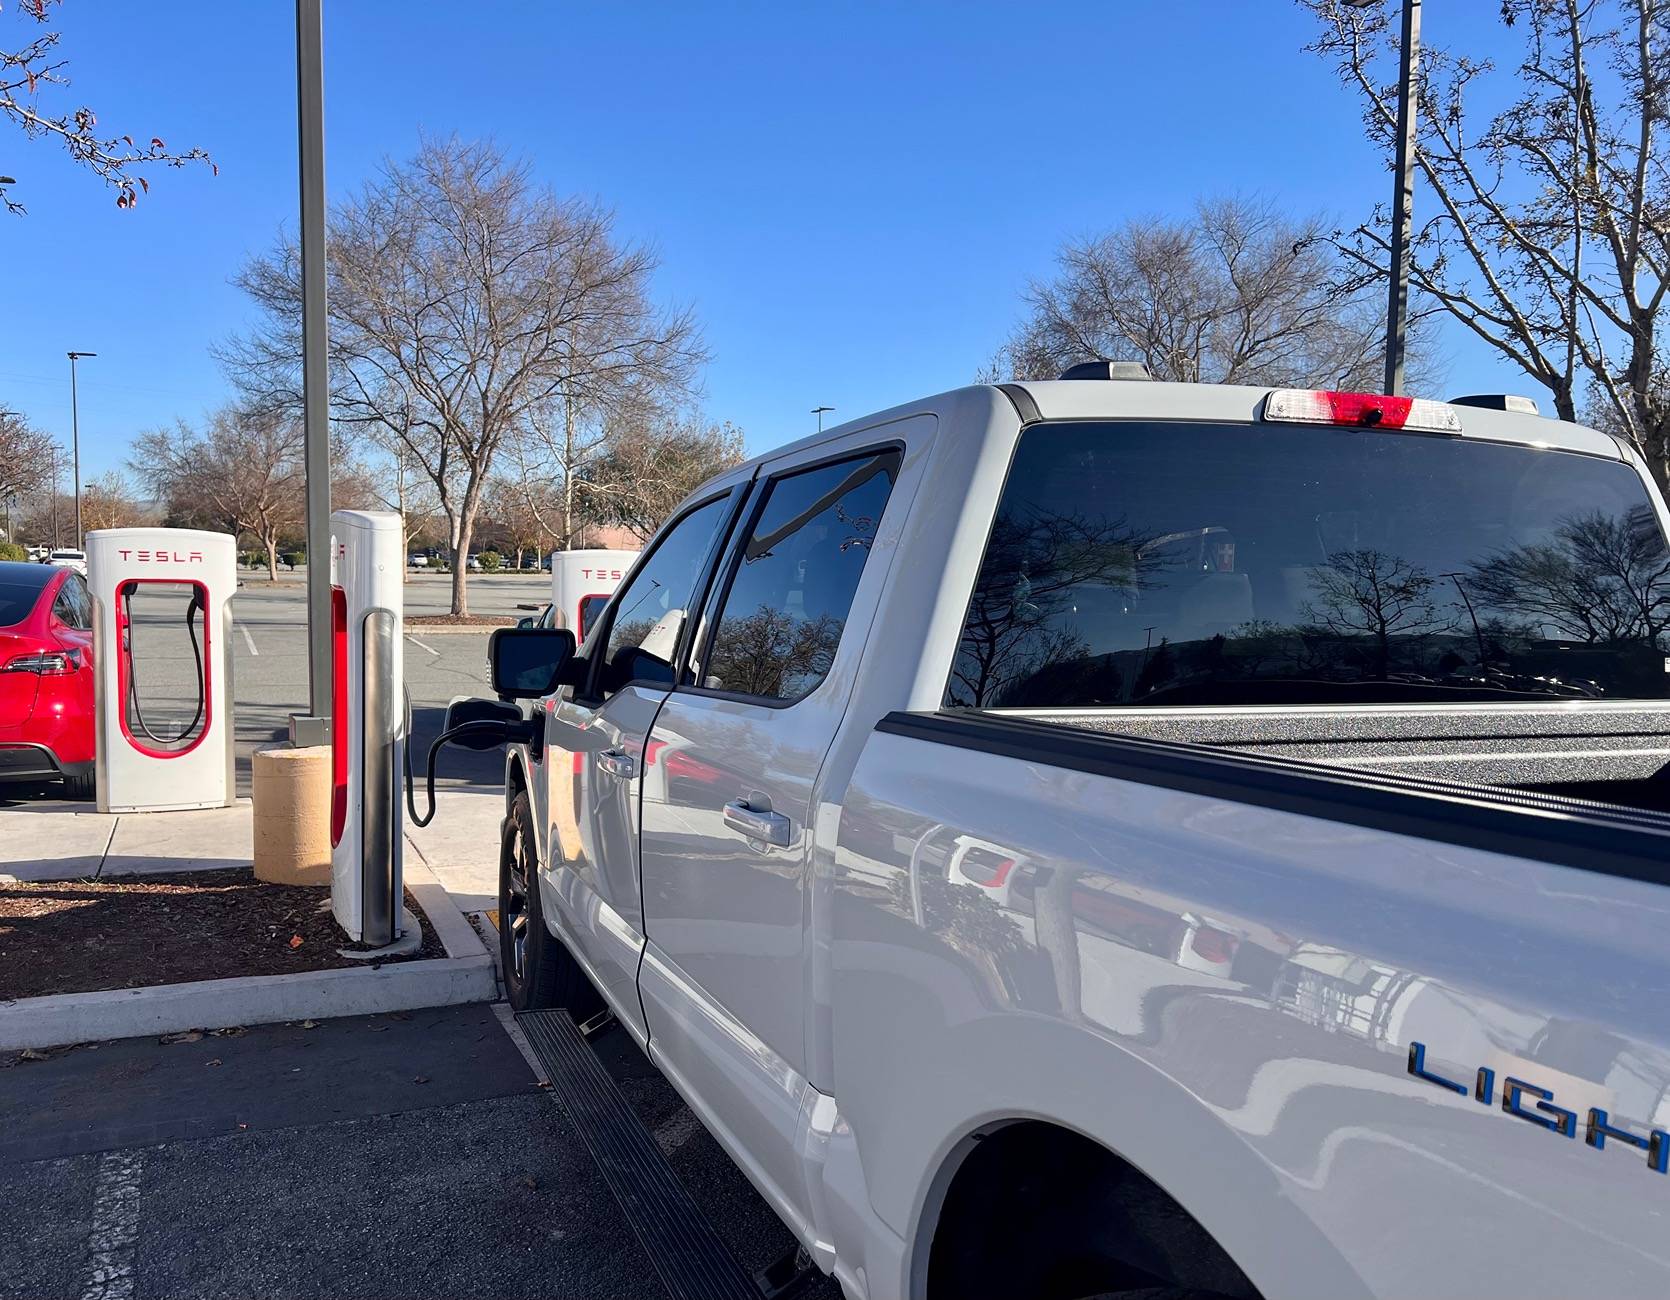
(728, 784)
(594, 755)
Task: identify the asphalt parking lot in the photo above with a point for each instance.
(404, 1155)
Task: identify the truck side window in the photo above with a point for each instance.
(650, 609)
(795, 580)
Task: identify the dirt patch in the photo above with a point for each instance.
(75, 936)
(459, 620)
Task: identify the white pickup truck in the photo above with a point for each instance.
(1092, 838)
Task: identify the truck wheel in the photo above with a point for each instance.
(539, 972)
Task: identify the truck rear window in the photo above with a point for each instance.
(1184, 564)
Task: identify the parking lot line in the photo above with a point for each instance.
(115, 1228)
(248, 639)
(421, 646)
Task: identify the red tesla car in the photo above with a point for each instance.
(46, 677)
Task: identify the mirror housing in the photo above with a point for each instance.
(528, 662)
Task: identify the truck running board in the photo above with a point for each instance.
(690, 1259)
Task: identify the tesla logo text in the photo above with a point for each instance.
(1535, 1105)
(600, 573)
(163, 557)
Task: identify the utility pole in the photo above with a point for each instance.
(313, 727)
(75, 440)
(818, 411)
(1403, 191)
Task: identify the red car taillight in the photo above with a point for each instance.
(51, 663)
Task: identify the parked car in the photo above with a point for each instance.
(1137, 837)
(418, 561)
(69, 559)
(46, 677)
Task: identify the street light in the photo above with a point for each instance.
(10, 496)
(75, 440)
(818, 411)
(1403, 190)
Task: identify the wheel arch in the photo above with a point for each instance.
(1113, 1099)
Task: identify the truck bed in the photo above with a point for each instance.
(1606, 753)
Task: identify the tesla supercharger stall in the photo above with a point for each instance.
(368, 723)
(162, 655)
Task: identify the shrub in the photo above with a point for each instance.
(12, 551)
(490, 561)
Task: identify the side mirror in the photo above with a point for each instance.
(528, 662)
(492, 723)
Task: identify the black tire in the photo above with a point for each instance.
(539, 972)
(81, 786)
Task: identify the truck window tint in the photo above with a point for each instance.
(1218, 565)
(653, 605)
(793, 587)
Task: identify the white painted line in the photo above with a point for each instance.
(115, 1228)
(248, 639)
(421, 646)
(507, 1018)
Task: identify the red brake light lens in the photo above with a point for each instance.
(1361, 410)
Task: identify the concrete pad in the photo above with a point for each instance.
(57, 842)
(149, 843)
(461, 846)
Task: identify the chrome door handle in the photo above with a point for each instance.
(618, 764)
(771, 827)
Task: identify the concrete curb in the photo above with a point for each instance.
(421, 630)
(466, 974)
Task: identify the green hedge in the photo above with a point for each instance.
(12, 551)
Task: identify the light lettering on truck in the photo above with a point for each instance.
(1553, 1119)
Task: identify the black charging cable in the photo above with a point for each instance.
(138, 715)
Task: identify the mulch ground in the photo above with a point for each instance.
(75, 936)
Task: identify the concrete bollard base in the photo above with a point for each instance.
(291, 791)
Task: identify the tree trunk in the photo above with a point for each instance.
(460, 568)
(272, 558)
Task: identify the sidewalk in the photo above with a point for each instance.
(58, 840)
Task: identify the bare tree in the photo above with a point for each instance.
(1384, 597)
(1550, 232)
(118, 160)
(242, 474)
(649, 464)
(108, 502)
(26, 455)
(464, 302)
(1236, 294)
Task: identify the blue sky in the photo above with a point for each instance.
(853, 196)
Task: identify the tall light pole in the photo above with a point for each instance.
(1403, 190)
(75, 440)
(818, 411)
(11, 496)
(313, 726)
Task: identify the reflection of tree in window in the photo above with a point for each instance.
(1037, 563)
(1369, 593)
(791, 594)
(773, 654)
(1604, 579)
